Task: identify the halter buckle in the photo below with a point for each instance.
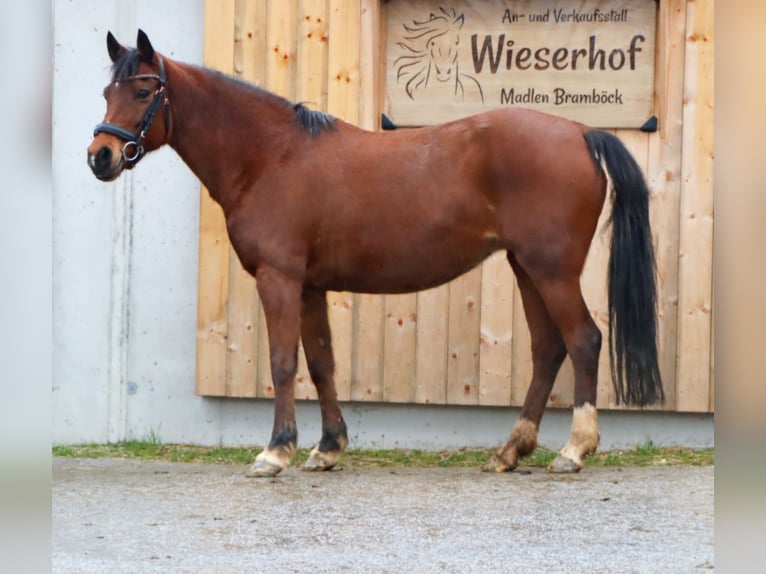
(139, 151)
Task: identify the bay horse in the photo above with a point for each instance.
(315, 204)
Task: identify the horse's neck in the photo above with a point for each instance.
(219, 130)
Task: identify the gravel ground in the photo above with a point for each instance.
(124, 516)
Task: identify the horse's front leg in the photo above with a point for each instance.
(317, 345)
(281, 300)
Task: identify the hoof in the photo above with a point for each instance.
(266, 465)
(564, 465)
(263, 469)
(319, 461)
(495, 464)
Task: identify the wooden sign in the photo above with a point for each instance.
(590, 61)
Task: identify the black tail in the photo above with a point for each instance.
(632, 270)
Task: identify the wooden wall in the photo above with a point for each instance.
(465, 342)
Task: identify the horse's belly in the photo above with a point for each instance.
(407, 239)
(404, 270)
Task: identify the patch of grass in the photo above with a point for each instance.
(542, 457)
(606, 459)
(648, 449)
(647, 454)
(460, 458)
(152, 438)
(70, 451)
(143, 450)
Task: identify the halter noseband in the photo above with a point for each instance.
(135, 139)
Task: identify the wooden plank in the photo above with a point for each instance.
(343, 60)
(464, 337)
(562, 393)
(399, 349)
(496, 323)
(664, 179)
(343, 102)
(341, 313)
(371, 63)
(311, 62)
(213, 288)
(711, 405)
(281, 42)
(368, 350)
(250, 55)
(212, 326)
(521, 351)
(695, 273)
(242, 339)
(244, 305)
(263, 384)
(368, 326)
(431, 352)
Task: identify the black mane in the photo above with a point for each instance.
(313, 120)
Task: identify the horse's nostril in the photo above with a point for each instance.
(104, 157)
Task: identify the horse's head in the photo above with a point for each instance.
(442, 50)
(443, 45)
(135, 98)
(432, 47)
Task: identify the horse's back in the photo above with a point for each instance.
(531, 168)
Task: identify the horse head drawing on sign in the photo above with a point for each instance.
(431, 63)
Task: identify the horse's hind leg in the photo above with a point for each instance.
(317, 345)
(548, 352)
(564, 301)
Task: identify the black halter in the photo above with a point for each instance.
(135, 139)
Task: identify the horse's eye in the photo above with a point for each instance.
(142, 94)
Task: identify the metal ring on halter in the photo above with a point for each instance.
(134, 157)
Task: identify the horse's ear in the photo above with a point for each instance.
(114, 48)
(144, 47)
(459, 20)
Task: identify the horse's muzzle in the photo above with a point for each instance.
(104, 165)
